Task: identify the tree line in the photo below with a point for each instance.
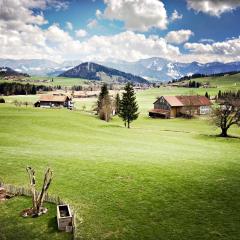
(14, 88)
(228, 94)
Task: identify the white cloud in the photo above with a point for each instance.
(98, 13)
(21, 36)
(229, 47)
(140, 15)
(58, 4)
(69, 26)
(225, 51)
(206, 40)
(175, 16)
(81, 33)
(92, 23)
(213, 7)
(178, 37)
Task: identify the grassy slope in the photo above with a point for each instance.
(163, 179)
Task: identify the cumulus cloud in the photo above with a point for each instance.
(213, 7)
(140, 15)
(178, 37)
(81, 33)
(206, 40)
(69, 26)
(226, 51)
(98, 13)
(92, 23)
(175, 16)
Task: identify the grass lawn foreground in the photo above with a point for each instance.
(162, 179)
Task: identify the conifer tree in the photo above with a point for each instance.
(104, 92)
(128, 106)
(117, 104)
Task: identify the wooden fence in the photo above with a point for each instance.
(23, 191)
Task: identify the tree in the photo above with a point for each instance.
(38, 198)
(226, 115)
(117, 104)
(106, 109)
(104, 92)
(104, 104)
(128, 106)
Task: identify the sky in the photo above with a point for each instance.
(120, 30)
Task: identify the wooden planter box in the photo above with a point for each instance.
(64, 218)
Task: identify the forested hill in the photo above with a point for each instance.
(93, 71)
(6, 71)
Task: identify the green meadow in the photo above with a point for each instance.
(63, 81)
(160, 180)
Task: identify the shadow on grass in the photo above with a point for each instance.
(112, 126)
(52, 225)
(218, 136)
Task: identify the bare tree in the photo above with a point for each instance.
(37, 199)
(105, 112)
(226, 115)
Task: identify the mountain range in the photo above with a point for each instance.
(93, 71)
(153, 69)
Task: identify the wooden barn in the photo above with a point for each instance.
(177, 106)
(49, 101)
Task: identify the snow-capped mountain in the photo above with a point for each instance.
(38, 66)
(160, 69)
(155, 69)
(6, 71)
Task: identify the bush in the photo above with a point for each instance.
(2, 100)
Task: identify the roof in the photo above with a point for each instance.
(194, 100)
(160, 111)
(173, 101)
(53, 98)
(180, 101)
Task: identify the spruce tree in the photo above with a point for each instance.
(206, 95)
(117, 104)
(128, 106)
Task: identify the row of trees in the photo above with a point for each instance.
(228, 94)
(125, 107)
(194, 84)
(14, 88)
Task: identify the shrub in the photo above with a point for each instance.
(2, 100)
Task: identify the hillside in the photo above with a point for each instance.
(6, 72)
(116, 179)
(93, 71)
(232, 82)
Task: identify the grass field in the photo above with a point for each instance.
(15, 227)
(62, 81)
(162, 179)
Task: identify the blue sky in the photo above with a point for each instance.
(204, 26)
(204, 31)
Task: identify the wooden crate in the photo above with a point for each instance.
(64, 217)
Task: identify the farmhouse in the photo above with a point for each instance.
(176, 106)
(54, 100)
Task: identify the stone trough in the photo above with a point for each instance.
(64, 218)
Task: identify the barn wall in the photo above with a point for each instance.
(161, 103)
